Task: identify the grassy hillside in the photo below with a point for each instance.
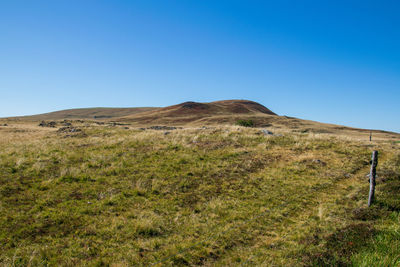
(216, 196)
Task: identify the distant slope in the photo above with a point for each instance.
(87, 113)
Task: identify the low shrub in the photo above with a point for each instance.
(245, 123)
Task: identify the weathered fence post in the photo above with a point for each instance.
(370, 136)
(372, 175)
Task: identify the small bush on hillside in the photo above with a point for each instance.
(245, 123)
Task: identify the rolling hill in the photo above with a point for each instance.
(184, 112)
(193, 114)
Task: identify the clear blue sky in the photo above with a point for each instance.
(329, 61)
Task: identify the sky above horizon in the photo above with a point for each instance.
(328, 61)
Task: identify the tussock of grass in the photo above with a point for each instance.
(225, 196)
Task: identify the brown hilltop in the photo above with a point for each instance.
(227, 107)
(192, 112)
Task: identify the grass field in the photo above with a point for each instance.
(216, 196)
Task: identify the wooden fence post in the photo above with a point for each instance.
(372, 175)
